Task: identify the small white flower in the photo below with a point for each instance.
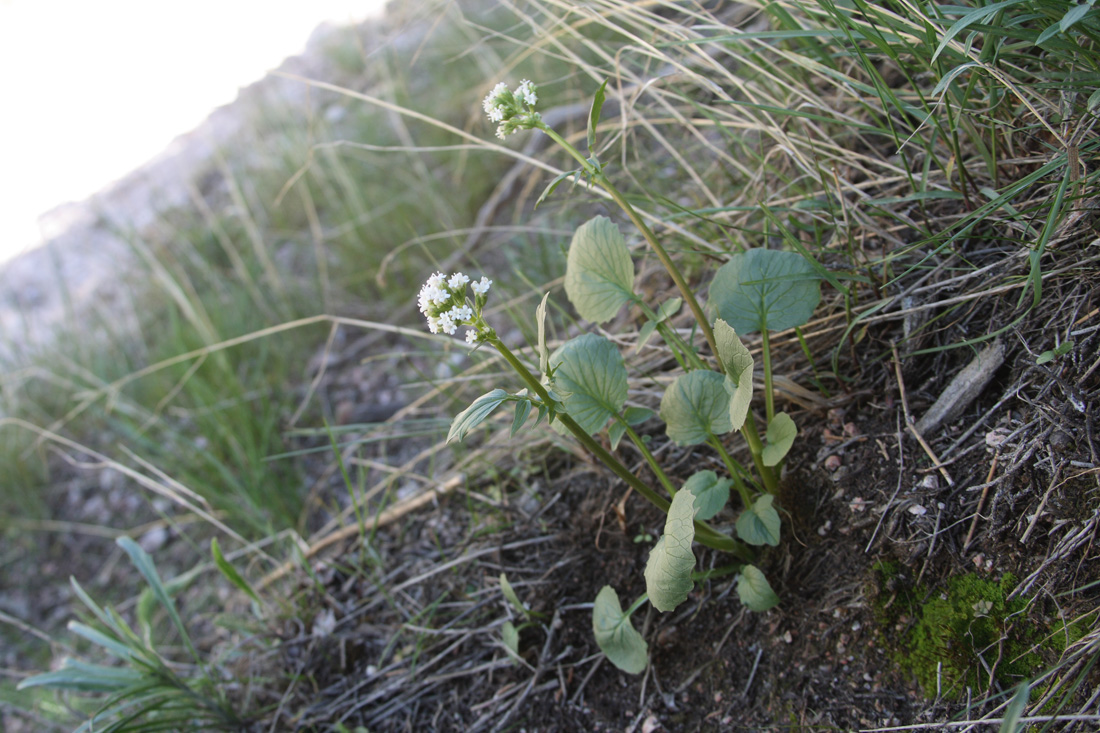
(482, 286)
(526, 92)
(447, 324)
(433, 324)
(471, 336)
(461, 313)
(457, 281)
(491, 100)
(501, 132)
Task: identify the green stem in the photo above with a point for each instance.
(704, 534)
(756, 446)
(673, 271)
(649, 458)
(769, 398)
(734, 469)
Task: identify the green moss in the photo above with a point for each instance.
(968, 632)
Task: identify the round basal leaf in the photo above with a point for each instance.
(738, 363)
(475, 414)
(711, 493)
(590, 377)
(599, 274)
(759, 524)
(668, 571)
(765, 289)
(780, 438)
(695, 407)
(616, 636)
(754, 591)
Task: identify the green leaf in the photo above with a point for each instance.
(738, 363)
(618, 639)
(540, 323)
(591, 379)
(523, 409)
(616, 433)
(554, 184)
(230, 572)
(695, 407)
(510, 594)
(144, 564)
(112, 645)
(976, 16)
(765, 290)
(85, 677)
(637, 415)
(668, 571)
(475, 414)
(599, 274)
(759, 524)
(780, 438)
(754, 590)
(594, 115)
(711, 493)
(511, 637)
(1011, 722)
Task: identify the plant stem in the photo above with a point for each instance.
(704, 534)
(769, 398)
(649, 458)
(756, 446)
(673, 271)
(732, 466)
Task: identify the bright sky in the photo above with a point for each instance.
(91, 89)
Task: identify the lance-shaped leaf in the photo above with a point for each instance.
(754, 590)
(759, 524)
(540, 323)
(509, 634)
(738, 363)
(594, 115)
(711, 493)
(618, 639)
(695, 407)
(668, 571)
(599, 274)
(764, 289)
(475, 414)
(591, 380)
(780, 438)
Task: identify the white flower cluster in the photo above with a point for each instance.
(512, 110)
(443, 302)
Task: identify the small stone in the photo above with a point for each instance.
(857, 504)
(833, 462)
(917, 510)
(154, 539)
(1061, 441)
(931, 482)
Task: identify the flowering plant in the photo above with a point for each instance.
(581, 387)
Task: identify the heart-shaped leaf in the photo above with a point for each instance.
(765, 289)
(711, 493)
(618, 639)
(780, 438)
(738, 363)
(475, 414)
(591, 380)
(599, 274)
(695, 407)
(668, 571)
(759, 524)
(754, 590)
